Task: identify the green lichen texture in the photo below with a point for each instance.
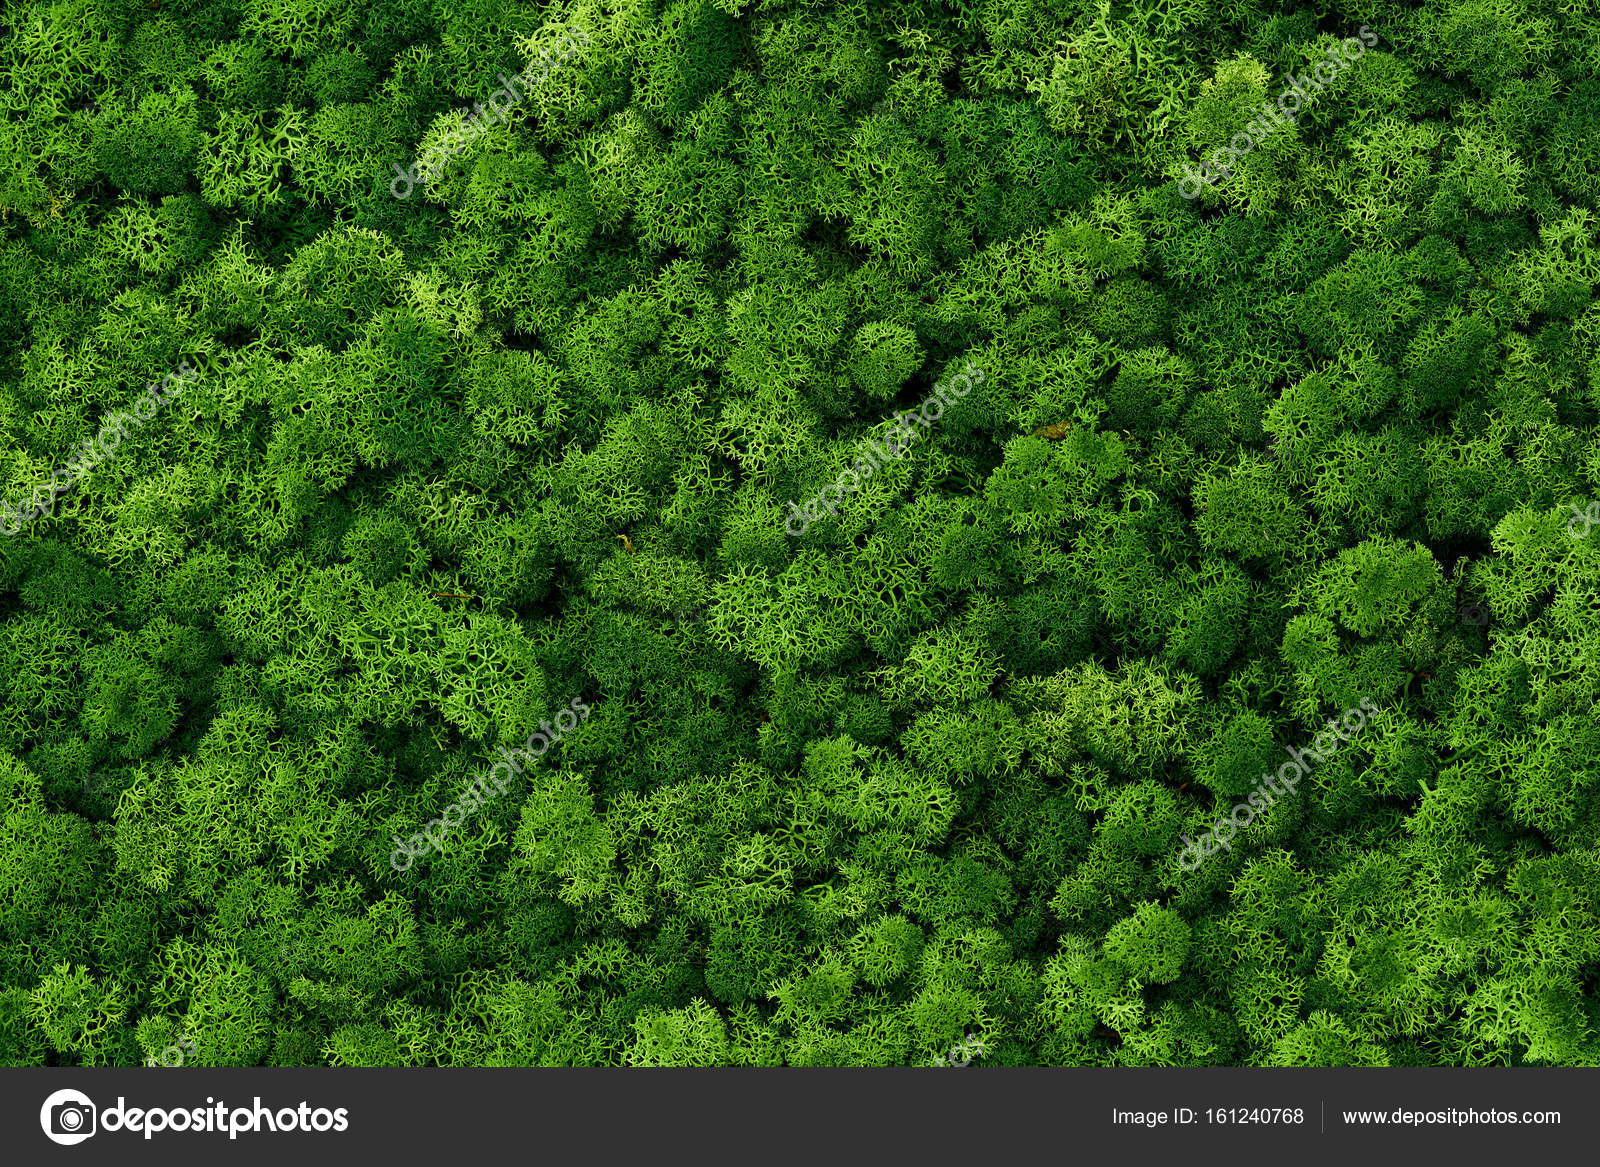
(799, 533)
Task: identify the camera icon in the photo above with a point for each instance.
(1475, 614)
(68, 1117)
